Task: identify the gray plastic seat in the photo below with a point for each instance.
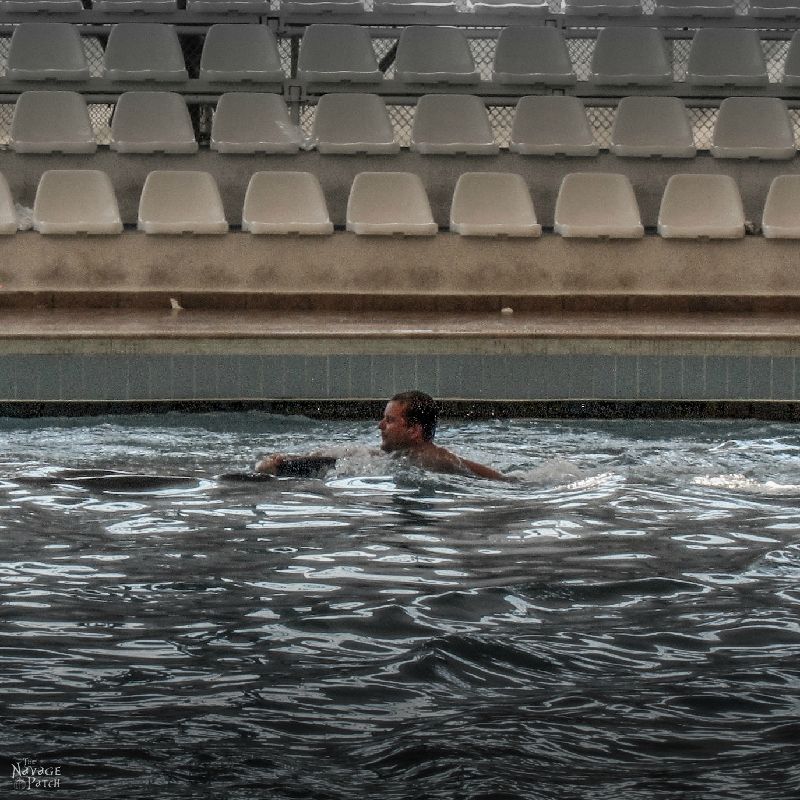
(446, 124)
(791, 66)
(775, 9)
(52, 122)
(237, 53)
(177, 202)
(46, 51)
(152, 122)
(144, 51)
(781, 219)
(8, 212)
(597, 205)
(389, 203)
(353, 123)
(753, 127)
(531, 55)
(416, 7)
(227, 6)
(434, 54)
(652, 126)
(135, 6)
(603, 8)
(39, 6)
(323, 6)
(246, 122)
(493, 204)
(517, 8)
(76, 201)
(284, 203)
(722, 56)
(624, 55)
(695, 206)
(552, 125)
(696, 8)
(337, 54)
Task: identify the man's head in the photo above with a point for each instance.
(409, 420)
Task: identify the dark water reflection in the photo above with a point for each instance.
(622, 622)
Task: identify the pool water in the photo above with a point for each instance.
(622, 621)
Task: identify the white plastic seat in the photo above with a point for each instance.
(450, 124)
(791, 66)
(323, 6)
(517, 8)
(597, 205)
(181, 202)
(236, 53)
(753, 127)
(434, 54)
(73, 201)
(695, 206)
(285, 202)
(531, 55)
(493, 204)
(8, 213)
(416, 7)
(37, 6)
(652, 126)
(337, 54)
(135, 6)
(144, 51)
(46, 51)
(781, 219)
(603, 8)
(722, 56)
(227, 6)
(387, 203)
(625, 55)
(246, 122)
(52, 122)
(552, 125)
(696, 8)
(775, 9)
(353, 123)
(152, 122)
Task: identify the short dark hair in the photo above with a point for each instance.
(419, 409)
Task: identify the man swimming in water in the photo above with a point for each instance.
(407, 429)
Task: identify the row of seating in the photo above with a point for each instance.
(356, 123)
(525, 55)
(386, 203)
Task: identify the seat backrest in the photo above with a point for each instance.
(144, 51)
(493, 204)
(353, 123)
(603, 8)
(434, 54)
(44, 51)
(696, 8)
(531, 55)
(418, 8)
(42, 6)
(73, 201)
(519, 9)
(775, 9)
(552, 125)
(722, 56)
(781, 219)
(652, 126)
(181, 202)
(135, 6)
(240, 53)
(285, 202)
(8, 213)
(387, 203)
(624, 55)
(227, 6)
(337, 53)
(52, 122)
(452, 123)
(753, 127)
(791, 66)
(597, 205)
(152, 122)
(695, 206)
(249, 122)
(323, 6)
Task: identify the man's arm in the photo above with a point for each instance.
(438, 459)
(297, 466)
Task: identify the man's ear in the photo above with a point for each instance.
(416, 431)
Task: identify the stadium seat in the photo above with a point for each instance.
(353, 123)
(493, 204)
(74, 201)
(323, 6)
(597, 205)
(775, 9)
(603, 8)
(144, 51)
(416, 7)
(46, 51)
(723, 56)
(246, 122)
(695, 206)
(181, 202)
(388, 203)
(285, 202)
(42, 6)
(652, 126)
(696, 8)
(152, 122)
(135, 6)
(227, 6)
(337, 54)
(781, 219)
(431, 54)
(517, 8)
(753, 127)
(552, 125)
(236, 53)
(791, 66)
(52, 122)
(452, 123)
(8, 213)
(531, 55)
(624, 55)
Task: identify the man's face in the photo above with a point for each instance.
(396, 433)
